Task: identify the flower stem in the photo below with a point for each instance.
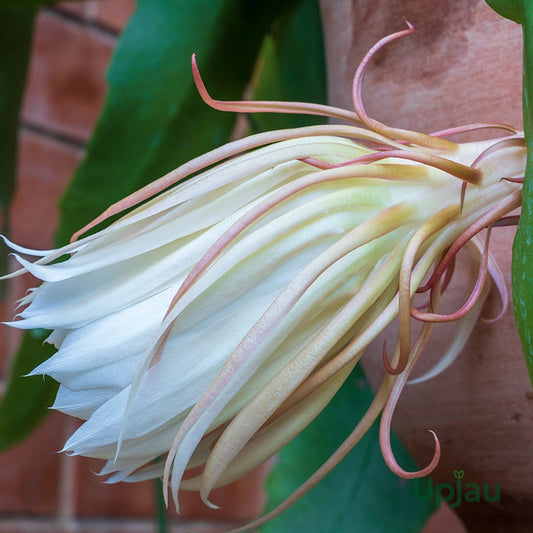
(161, 508)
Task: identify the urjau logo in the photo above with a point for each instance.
(426, 490)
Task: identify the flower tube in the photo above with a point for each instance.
(218, 317)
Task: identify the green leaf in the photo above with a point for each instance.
(26, 399)
(521, 11)
(16, 27)
(522, 266)
(361, 494)
(23, 399)
(293, 67)
(510, 9)
(153, 120)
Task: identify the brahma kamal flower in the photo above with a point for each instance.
(217, 318)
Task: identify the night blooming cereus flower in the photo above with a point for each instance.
(215, 321)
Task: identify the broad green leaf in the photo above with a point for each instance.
(361, 494)
(293, 67)
(16, 27)
(510, 9)
(522, 266)
(152, 121)
(24, 400)
(27, 399)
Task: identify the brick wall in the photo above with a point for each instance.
(40, 489)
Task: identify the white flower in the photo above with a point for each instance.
(213, 322)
